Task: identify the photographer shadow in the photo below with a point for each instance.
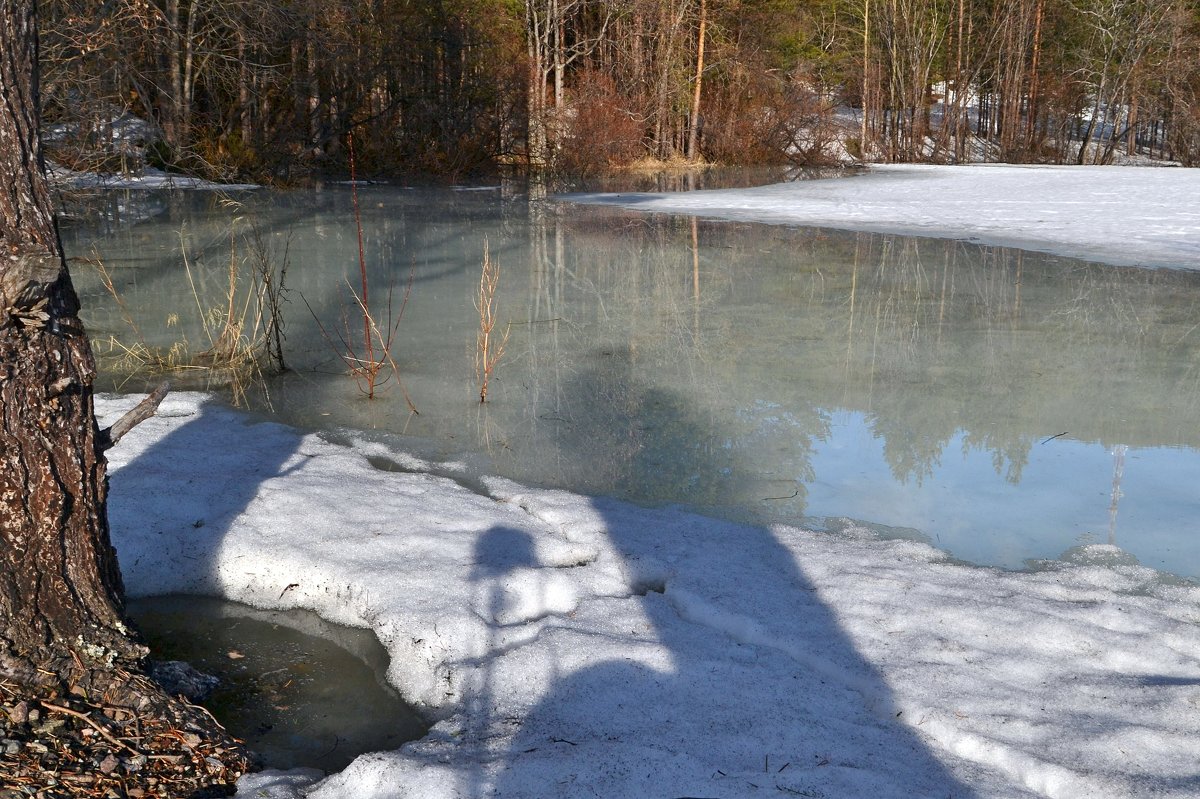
(718, 671)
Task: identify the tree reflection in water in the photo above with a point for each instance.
(984, 377)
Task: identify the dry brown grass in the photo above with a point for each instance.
(243, 333)
(365, 344)
(489, 348)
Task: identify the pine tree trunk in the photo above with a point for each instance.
(60, 590)
(63, 634)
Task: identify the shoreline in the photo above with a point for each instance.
(1083, 212)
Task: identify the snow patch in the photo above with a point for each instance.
(576, 646)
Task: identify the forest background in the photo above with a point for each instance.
(273, 90)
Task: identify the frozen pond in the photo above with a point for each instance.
(1004, 406)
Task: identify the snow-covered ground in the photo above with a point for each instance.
(578, 647)
(1112, 214)
(144, 178)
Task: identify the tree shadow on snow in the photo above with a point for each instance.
(173, 502)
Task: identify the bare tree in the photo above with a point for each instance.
(554, 42)
(1125, 37)
(910, 34)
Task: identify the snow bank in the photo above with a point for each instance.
(145, 178)
(1117, 215)
(569, 646)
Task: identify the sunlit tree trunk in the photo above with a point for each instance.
(1031, 138)
(560, 54)
(694, 128)
(537, 40)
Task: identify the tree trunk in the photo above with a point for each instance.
(173, 122)
(538, 39)
(188, 83)
(1034, 87)
(245, 94)
(60, 589)
(557, 20)
(694, 129)
(864, 143)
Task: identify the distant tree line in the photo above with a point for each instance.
(275, 87)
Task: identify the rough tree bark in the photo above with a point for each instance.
(60, 588)
(63, 629)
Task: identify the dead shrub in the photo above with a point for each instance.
(758, 117)
(598, 130)
(1183, 122)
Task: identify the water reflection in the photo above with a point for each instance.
(972, 396)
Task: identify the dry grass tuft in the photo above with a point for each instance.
(243, 334)
(488, 350)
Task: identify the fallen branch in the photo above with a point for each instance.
(141, 412)
(84, 717)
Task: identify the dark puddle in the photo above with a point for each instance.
(299, 690)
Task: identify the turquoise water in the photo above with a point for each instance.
(1004, 406)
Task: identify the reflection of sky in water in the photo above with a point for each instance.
(664, 360)
(1061, 500)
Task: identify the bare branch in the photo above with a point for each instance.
(140, 413)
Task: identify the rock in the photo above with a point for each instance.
(108, 765)
(51, 727)
(180, 679)
(19, 713)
